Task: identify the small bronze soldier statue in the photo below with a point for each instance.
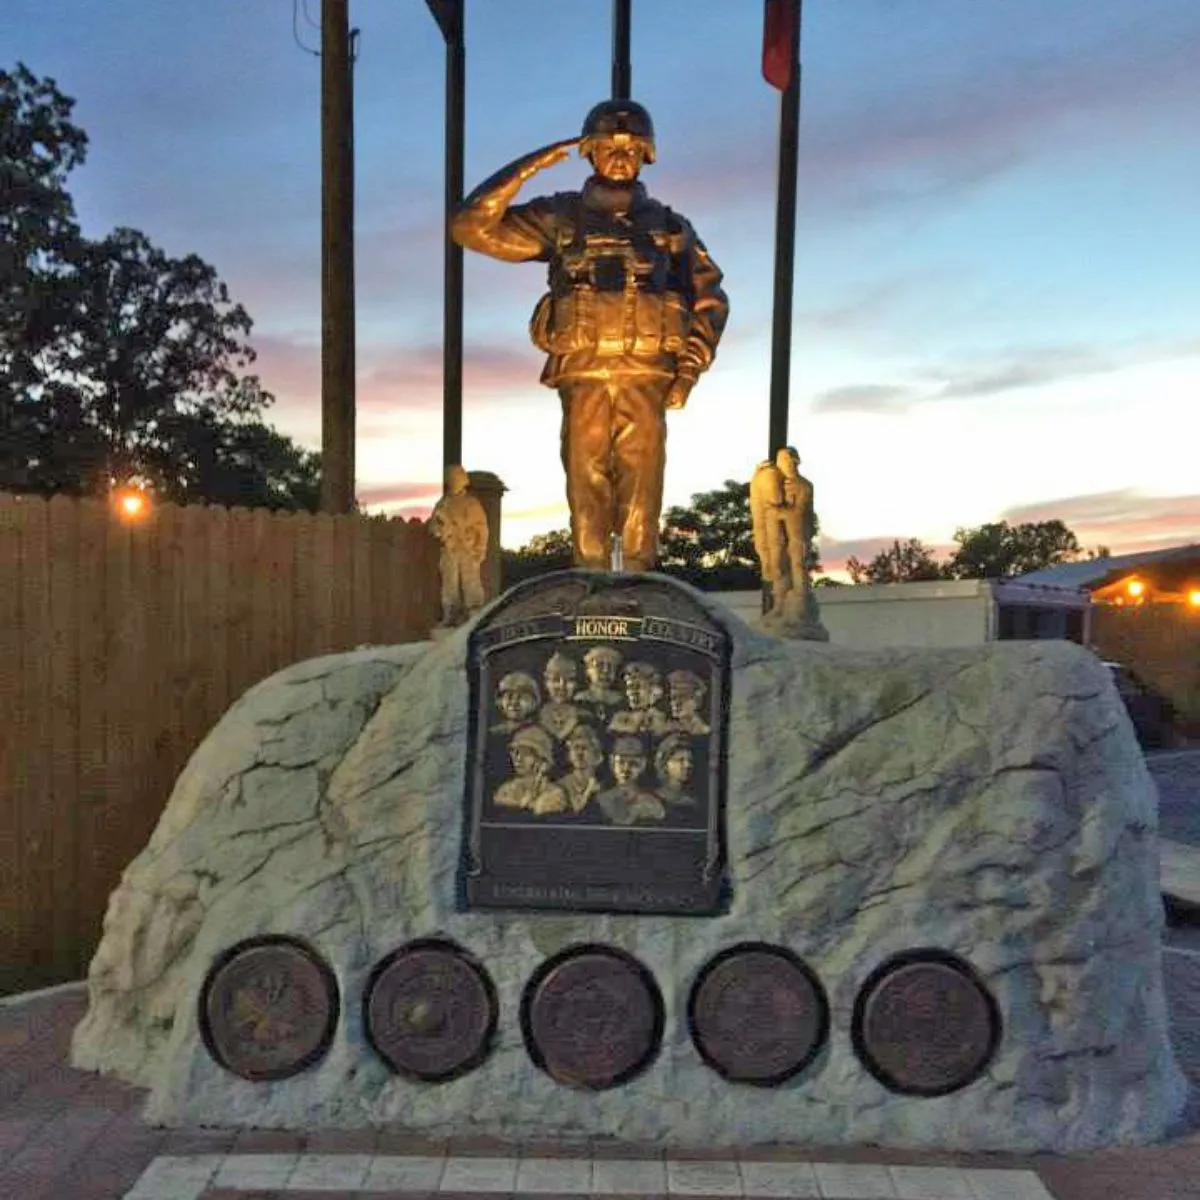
(633, 316)
(459, 522)
(781, 506)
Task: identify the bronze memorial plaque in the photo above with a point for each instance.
(268, 1008)
(925, 1026)
(430, 1011)
(596, 765)
(758, 1014)
(592, 1017)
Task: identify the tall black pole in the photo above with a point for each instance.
(337, 260)
(449, 16)
(452, 319)
(785, 247)
(622, 70)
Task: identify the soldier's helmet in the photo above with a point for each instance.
(534, 738)
(618, 116)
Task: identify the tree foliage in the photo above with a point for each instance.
(903, 562)
(117, 361)
(708, 543)
(992, 551)
(998, 550)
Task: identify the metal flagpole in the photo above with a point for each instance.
(449, 16)
(622, 70)
(781, 65)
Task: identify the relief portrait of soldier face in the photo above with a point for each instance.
(643, 688)
(686, 694)
(678, 768)
(627, 768)
(517, 699)
(527, 762)
(601, 669)
(583, 750)
(560, 679)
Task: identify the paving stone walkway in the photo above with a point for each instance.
(66, 1135)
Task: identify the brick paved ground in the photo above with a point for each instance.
(70, 1136)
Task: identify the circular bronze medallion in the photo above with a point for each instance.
(758, 1014)
(430, 1011)
(924, 1025)
(592, 1017)
(268, 1008)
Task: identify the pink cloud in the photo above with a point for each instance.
(1125, 521)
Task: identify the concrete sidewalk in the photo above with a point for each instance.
(65, 1135)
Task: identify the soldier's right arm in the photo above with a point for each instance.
(489, 223)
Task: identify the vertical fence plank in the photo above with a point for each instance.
(324, 583)
(62, 801)
(94, 641)
(240, 650)
(302, 586)
(13, 921)
(216, 663)
(360, 581)
(35, 783)
(257, 587)
(281, 532)
(378, 630)
(193, 632)
(343, 581)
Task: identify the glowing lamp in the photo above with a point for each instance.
(1135, 587)
(1194, 597)
(132, 504)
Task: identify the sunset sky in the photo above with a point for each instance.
(998, 253)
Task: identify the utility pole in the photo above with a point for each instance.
(622, 70)
(449, 16)
(337, 259)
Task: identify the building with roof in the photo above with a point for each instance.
(1170, 576)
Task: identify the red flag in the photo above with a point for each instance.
(779, 36)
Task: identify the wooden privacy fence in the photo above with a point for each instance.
(121, 644)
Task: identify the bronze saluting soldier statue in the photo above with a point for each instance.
(633, 316)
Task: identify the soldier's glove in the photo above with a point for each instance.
(677, 397)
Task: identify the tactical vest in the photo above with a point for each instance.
(616, 288)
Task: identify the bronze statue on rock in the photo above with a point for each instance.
(633, 316)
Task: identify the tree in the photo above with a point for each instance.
(39, 147)
(544, 552)
(117, 361)
(998, 550)
(904, 562)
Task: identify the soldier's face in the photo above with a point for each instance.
(559, 685)
(525, 761)
(618, 157)
(627, 767)
(683, 702)
(601, 671)
(580, 754)
(679, 767)
(640, 692)
(516, 705)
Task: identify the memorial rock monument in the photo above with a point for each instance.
(605, 862)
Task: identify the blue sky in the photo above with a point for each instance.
(997, 312)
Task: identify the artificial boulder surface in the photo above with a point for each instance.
(991, 803)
